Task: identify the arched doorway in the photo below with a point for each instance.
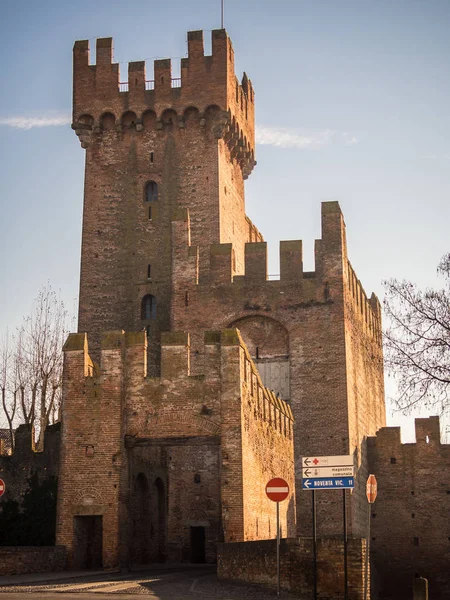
(141, 521)
(148, 544)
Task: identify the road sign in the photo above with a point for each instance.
(371, 488)
(328, 483)
(327, 461)
(309, 473)
(2, 487)
(277, 489)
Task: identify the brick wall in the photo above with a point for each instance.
(410, 527)
(334, 355)
(17, 468)
(20, 560)
(255, 562)
(156, 457)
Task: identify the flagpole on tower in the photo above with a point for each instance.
(222, 13)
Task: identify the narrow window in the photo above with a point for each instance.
(150, 213)
(148, 307)
(257, 353)
(416, 541)
(393, 461)
(151, 191)
(149, 271)
(151, 156)
(148, 330)
(413, 516)
(186, 299)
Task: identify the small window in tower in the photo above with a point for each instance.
(393, 461)
(150, 213)
(416, 541)
(151, 191)
(152, 156)
(148, 330)
(149, 271)
(148, 307)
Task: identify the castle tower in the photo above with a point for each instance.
(152, 147)
(167, 248)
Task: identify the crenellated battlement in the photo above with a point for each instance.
(369, 309)
(326, 284)
(428, 435)
(207, 93)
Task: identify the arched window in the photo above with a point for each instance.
(148, 307)
(151, 191)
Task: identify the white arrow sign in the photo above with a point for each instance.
(327, 461)
(312, 473)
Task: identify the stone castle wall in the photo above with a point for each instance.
(191, 448)
(410, 527)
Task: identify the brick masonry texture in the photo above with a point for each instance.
(17, 468)
(256, 562)
(31, 559)
(156, 457)
(410, 527)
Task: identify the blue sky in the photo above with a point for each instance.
(352, 102)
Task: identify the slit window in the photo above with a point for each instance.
(151, 191)
(149, 271)
(148, 307)
(152, 156)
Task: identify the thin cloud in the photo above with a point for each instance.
(283, 138)
(32, 122)
(304, 140)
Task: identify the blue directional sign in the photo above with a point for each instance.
(328, 483)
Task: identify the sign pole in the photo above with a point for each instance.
(222, 10)
(371, 493)
(277, 490)
(345, 546)
(366, 575)
(278, 548)
(314, 542)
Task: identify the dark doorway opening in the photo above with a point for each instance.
(198, 554)
(88, 542)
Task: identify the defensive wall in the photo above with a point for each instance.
(212, 440)
(16, 468)
(255, 562)
(318, 329)
(410, 527)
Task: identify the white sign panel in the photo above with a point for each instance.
(327, 461)
(312, 473)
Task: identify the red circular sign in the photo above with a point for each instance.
(2, 487)
(277, 489)
(371, 489)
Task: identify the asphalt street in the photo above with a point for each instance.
(181, 584)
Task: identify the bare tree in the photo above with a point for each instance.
(9, 400)
(33, 365)
(417, 341)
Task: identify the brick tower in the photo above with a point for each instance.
(153, 147)
(176, 426)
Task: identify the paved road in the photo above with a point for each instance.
(182, 584)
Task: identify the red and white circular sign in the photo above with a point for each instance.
(2, 487)
(277, 489)
(371, 489)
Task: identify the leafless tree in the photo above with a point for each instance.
(34, 364)
(9, 400)
(417, 341)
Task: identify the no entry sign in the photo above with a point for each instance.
(2, 487)
(371, 489)
(277, 489)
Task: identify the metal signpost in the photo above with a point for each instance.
(371, 493)
(277, 490)
(328, 473)
(2, 487)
